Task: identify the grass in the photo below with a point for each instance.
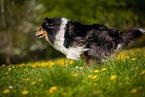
(121, 76)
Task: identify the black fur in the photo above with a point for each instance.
(100, 40)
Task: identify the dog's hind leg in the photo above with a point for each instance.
(88, 62)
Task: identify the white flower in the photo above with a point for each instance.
(77, 67)
(81, 67)
(10, 87)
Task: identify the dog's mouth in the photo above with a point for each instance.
(40, 35)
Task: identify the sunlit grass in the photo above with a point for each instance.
(121, 75)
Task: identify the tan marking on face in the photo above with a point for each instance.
(39, 32)
(44, 34)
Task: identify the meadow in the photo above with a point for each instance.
(123, 75)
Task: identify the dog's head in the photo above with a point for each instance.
(49, 29)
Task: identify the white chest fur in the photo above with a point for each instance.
(71, 52)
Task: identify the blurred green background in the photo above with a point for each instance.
(20, 19)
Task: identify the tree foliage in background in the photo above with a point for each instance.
(20, 19)
(18, 22)
(119, 13)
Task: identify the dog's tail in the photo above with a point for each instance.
(129, 35)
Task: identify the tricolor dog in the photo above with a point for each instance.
(93, 42)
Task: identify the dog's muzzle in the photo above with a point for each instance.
(39, 35)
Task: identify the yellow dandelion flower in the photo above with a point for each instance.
(3, 65)
(13, 66)
(52, 63)
(113, 77)
(52, 89)
(27, 79)
(71, 62)
(25, 92)
(33, 65)
(64, 93)
(89, 76)
(50, 66)
(25, 69)
(103, 69)
(134, 91)
(127, 57)
(94, 77)
(64, 64)
(24, 79)
(44, 66)
(118, 57)
(6, 91)
(22, 64)
(143, 72)
(33, 83)
(9, 69)
(133, 59)
(40, 80)
(74, 75)
(96, 71)
(95, 84)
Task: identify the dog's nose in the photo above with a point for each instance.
(36, 33)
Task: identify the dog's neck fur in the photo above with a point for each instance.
(71, 52)
(59, 38)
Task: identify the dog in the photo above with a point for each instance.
(93, 42)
